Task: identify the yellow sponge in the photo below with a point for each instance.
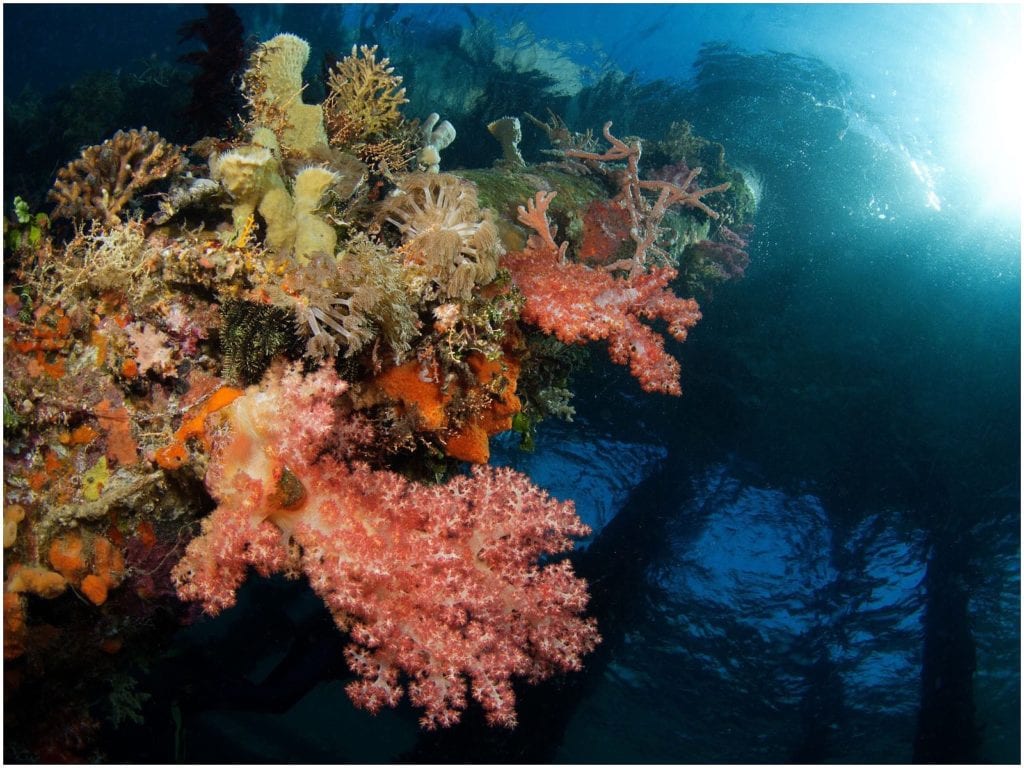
(274, 84)
(313, 234)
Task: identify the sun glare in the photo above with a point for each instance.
(989, 126)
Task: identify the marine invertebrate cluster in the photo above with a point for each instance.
(382, 337)
(98, 259)
(252, 335)
(89, 562)
(720, 259)
(341, 304)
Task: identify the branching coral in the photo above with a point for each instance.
(451, 247)
(438, 586)
(578, 303)
(106, 177)
(364, 98)
(645, 217)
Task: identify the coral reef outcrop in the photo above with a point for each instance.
(297, 365)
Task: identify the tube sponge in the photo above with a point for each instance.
(273, 85)
(313, 234)
(252, 176)
(246, 173)
(435, 138)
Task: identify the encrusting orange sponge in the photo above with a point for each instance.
(418, 393)
(36, 581)
(94, 588)
(77, 554)
(472, 442)
(173, 456)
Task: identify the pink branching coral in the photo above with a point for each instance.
(438, 586)
(578, 303)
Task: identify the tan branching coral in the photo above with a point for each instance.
(362, 111)
(364, 97)
(273, 87)
(107, 176)
(450, 245)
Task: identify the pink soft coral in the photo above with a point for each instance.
(578, 303)
(153, 348)
(439, 584)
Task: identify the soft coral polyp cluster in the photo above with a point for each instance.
(578, 303)
(439, 586)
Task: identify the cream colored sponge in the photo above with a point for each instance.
(274, 85)
(313, 235)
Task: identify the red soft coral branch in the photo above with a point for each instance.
(577, 304)
(534, 215)
(438, 585)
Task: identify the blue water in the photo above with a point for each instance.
(793, 559)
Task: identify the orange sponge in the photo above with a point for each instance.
(36, 581)
(67, 555)
(418, 391)
(469, 444)
(107, 562)
(94, 588)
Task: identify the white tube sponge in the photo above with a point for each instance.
(435, 138)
